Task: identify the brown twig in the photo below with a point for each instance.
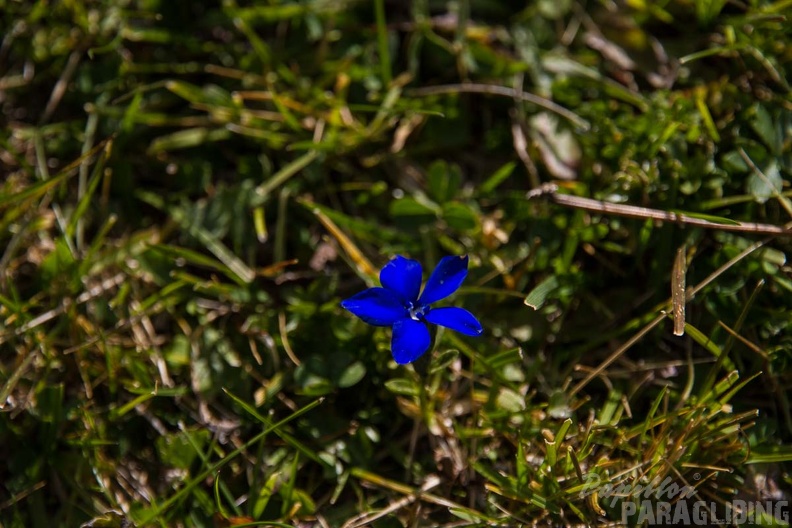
(632, 211)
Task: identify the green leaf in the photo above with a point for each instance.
(554, 9)
(33, 191)
(510, 400)
(708, 217)
(699, 337)
(402, 386)
(352, 375)
(307, 504)
(558, 404)
(505, 357)
(765, 185)
(49, 403)
(82, 206)
(442, 360)
(412, 213)
(541, 292)
(498, 177)
(283, 175)
(318, 374)
(465, 515)
(160, 507)
(179, 451)
(191, 257)
(192, 137)
(765, 128)
(410, 207)
(313, 385)
(186, 91)
(611, 410)
(264, 494)
(444, 181)
(58, 262)
(552, 447)
(287, 490)
(269, 13)
(708, 10)
(770, 454)
(459, 216)
(242, 272)
(131, 112)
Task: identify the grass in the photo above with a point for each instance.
(190, 189)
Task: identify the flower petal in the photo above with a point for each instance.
(457, 319)
(446, 278)
(402, 276)
(410, 340)
(376, 306)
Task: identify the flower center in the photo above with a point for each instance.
(417, 311)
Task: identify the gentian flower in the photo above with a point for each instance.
(398, 305)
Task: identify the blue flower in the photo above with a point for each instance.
(398, 305)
